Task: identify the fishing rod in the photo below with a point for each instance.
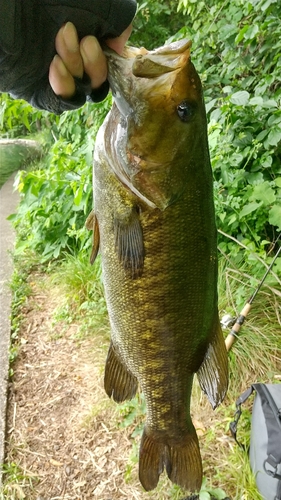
(233, 334)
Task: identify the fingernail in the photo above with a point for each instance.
(60, 66)
(89, 49)
(70, 37)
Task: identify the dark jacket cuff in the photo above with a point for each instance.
(45, 98)
(121, 14)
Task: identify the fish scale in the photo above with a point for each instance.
(155, 227)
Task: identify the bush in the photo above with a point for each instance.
(56, 197)
(237, 51)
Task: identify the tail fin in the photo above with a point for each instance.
(181, 459)
(213, 373)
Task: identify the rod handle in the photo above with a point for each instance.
(233, 334)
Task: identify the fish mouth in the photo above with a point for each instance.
(148, 64)
(173, 48)
(130, 52)
(141, 63)
(163, 60)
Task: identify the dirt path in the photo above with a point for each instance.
(63, 430)
(65, 440)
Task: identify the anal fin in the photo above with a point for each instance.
(213, 373)
(181, 459)
(119, 383)
(129, 241)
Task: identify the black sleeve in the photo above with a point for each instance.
(27, 44)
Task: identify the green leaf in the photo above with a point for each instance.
(274, 119)
(210, 105)
(241, 33)
(266, 161)
(256, 101)
(274, 137)
(251, 32)
(204, 495)
(25, 121)
(274, 216)
(78, 195)
(267, 4)
(218, 493)
(278, 181)
(12, 217)
(255, 178)
(270, 103)
(262, 135)
(227, 89)
(240, 98)
(263, 192)
(249, 208)
(232, 218)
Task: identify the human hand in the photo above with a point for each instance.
(74, 58)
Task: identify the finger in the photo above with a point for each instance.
(118, 43)
(60, 79)
(94, 61)
(67, 46)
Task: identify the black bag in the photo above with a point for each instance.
(265, 443)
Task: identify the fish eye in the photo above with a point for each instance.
(185, 111)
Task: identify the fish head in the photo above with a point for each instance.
(160, 133)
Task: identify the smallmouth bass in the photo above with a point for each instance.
(154, 224)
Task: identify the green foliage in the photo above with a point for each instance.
(133, 412)
(237, 51)
(20, 291)
(81, 295)
(15, 481)
(81, 281)
(51, 218)
(207, 493)
(18, 118)
(14, 156)
(57, 196)
(154, 23)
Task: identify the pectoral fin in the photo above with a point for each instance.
(119, 383)
(92, 225)
(90, 221)
(213, 373)
(129, 241)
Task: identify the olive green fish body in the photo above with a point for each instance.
(155, 216)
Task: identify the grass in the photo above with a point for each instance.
(84, 297)
(20, 291)
(81, 280)
(260, 332)
(14, 489)
(226, 466)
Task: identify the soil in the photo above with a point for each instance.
(64, 435)
(62, 431)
